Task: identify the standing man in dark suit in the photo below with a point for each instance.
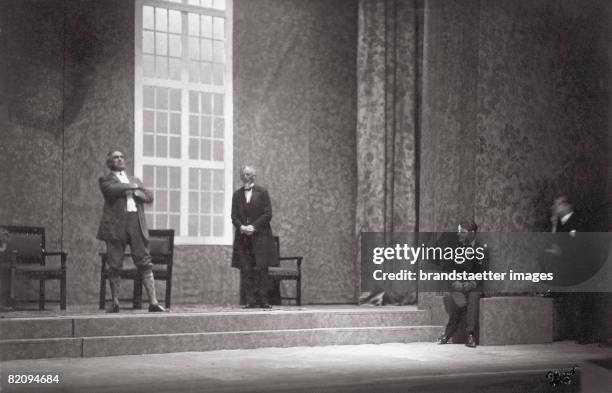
(123, 223)
(464, 297)
(254, 248)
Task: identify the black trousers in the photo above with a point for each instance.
(459, 304)
(257, 284)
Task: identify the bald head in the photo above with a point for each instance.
(247, 175)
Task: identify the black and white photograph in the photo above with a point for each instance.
(310, 196)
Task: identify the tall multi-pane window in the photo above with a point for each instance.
(183, 116)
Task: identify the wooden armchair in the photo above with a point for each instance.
(161, 248)
(27, 244)
(280, 273)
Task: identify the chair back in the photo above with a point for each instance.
(28, 242)
(161, 246)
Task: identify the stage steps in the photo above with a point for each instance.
(143, 333)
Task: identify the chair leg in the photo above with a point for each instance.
(63, 293)
(168, 292)
(41, 295)
(102, 291)
(298, 291)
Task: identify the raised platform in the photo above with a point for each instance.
(24, 335)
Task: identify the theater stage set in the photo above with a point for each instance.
(360, 116)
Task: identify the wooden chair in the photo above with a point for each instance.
(280, 273)
(30, 260)
(161, 248)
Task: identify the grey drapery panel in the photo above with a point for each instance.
(386, 126)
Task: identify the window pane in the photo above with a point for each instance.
(206, 103)
(147, 175)
(207, 50)
(194, 71)
(174, 202)
(175, 123)
(148, 122)
(206, 179)
(194, 102)
(205, 226)
(194, 177)
(175, 45)
(148, 65)
(161, 19)
(175, 177)
(206, 75)
(218, 180)
(205, 203)
(207, 3)
(148, 146)
(217, 226)
(175, 223)
(217, 203)
(161, 178)
(207, 26)
(162, 98)
(194, 149)
(161, 67)
(218, 151)
(175, 21)
(218, 104)
(148, 18)
(175, 99)
(219, 28)
(162, 123)
(148, 97)
(193, 23)
(205, 149)
(148, 42)
(194, 2)
(218, 70)
(206, 126)
(193, 225)
(161, 221)
(194, 48)
(194, 129)
(162, 147)
(219, 52)
(219, 127)
(161, 201)
(175, 147)
(193, 202)
(175, 69)
(161, 44)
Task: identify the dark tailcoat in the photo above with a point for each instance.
(114, 215)
(258, 212)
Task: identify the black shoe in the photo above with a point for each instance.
(471, 341)
(113, 309)
(250, 305)
(443, 339)
(156, 308)
(265, 305)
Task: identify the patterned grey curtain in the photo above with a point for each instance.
(387, 85)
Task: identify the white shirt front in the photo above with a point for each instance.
(131, 203)
(248, 194)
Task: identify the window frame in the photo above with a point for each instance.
(184, 163)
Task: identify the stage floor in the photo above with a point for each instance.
(92, 310)
(393, 367)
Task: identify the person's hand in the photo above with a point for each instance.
(247, 229)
